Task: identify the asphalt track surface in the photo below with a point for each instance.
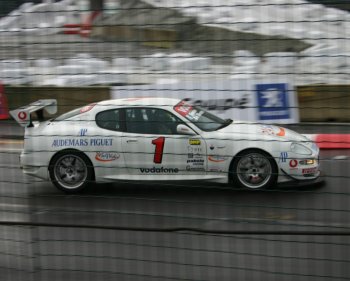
(174, 232)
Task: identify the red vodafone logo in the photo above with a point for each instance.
(22, 115)
(293, 163)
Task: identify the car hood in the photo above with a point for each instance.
(252, 130)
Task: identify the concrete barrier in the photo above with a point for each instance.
(323, 103)
(68, 98)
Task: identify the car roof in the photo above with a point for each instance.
(140, 101)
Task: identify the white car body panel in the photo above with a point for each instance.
(205, 155)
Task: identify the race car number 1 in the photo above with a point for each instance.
(158, 152)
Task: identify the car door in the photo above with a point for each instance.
(153, 148)
(106, 144)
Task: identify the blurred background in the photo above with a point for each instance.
(212, 52)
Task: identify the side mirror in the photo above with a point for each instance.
(184, 130)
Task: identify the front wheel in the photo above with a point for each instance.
(254, 169)
(70, 171)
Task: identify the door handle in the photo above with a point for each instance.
(131, 141)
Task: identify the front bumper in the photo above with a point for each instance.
(297, 183)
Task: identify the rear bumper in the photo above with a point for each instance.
(39, 172)
(32, 164)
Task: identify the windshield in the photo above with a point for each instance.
(201, 118)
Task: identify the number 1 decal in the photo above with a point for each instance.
(158, 152)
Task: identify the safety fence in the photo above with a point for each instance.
(272, 64)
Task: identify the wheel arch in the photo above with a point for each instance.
(230, 176)
(77, 151)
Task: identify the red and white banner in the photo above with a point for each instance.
(4, 110)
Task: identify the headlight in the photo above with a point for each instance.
(308, 162)
(300, 149)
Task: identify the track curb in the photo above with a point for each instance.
(330, 141)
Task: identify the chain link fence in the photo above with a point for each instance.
(213, 53)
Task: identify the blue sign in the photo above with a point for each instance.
(273, 101)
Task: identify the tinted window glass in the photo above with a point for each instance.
(151, 121)
(110, 120)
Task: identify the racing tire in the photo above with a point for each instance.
(254, 170)
(71, 171)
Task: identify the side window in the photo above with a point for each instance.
(110, 120)
(151, 121)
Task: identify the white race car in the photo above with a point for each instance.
(160, 139)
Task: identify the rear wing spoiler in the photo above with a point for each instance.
(23, 114)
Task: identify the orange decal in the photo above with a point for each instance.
(216, 159)
(281, 133)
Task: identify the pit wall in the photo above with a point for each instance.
(324, 103)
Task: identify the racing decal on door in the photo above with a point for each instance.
(158, 151)
(106, 156)
(194, 142)
(159, 170)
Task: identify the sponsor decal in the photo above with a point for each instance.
(273, 131)
(70, 142)
(309, 170)
(267, 129)
(283, 157)
(214, 170)
(194, 156)
(101, 142)
(221, 104)
(282, 132)
(82, 132)
(217, 158)
(194, 142)
(194, 149)
(22, 115)
(191, 168)
(82, 142)
(194, 115)
(106, 156)
(293, 163)
(273, 101)
(183, 108)
(196, 162)
(87, 108)
(160, 170)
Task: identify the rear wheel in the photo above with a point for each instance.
(71, 171)
(254, 169)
